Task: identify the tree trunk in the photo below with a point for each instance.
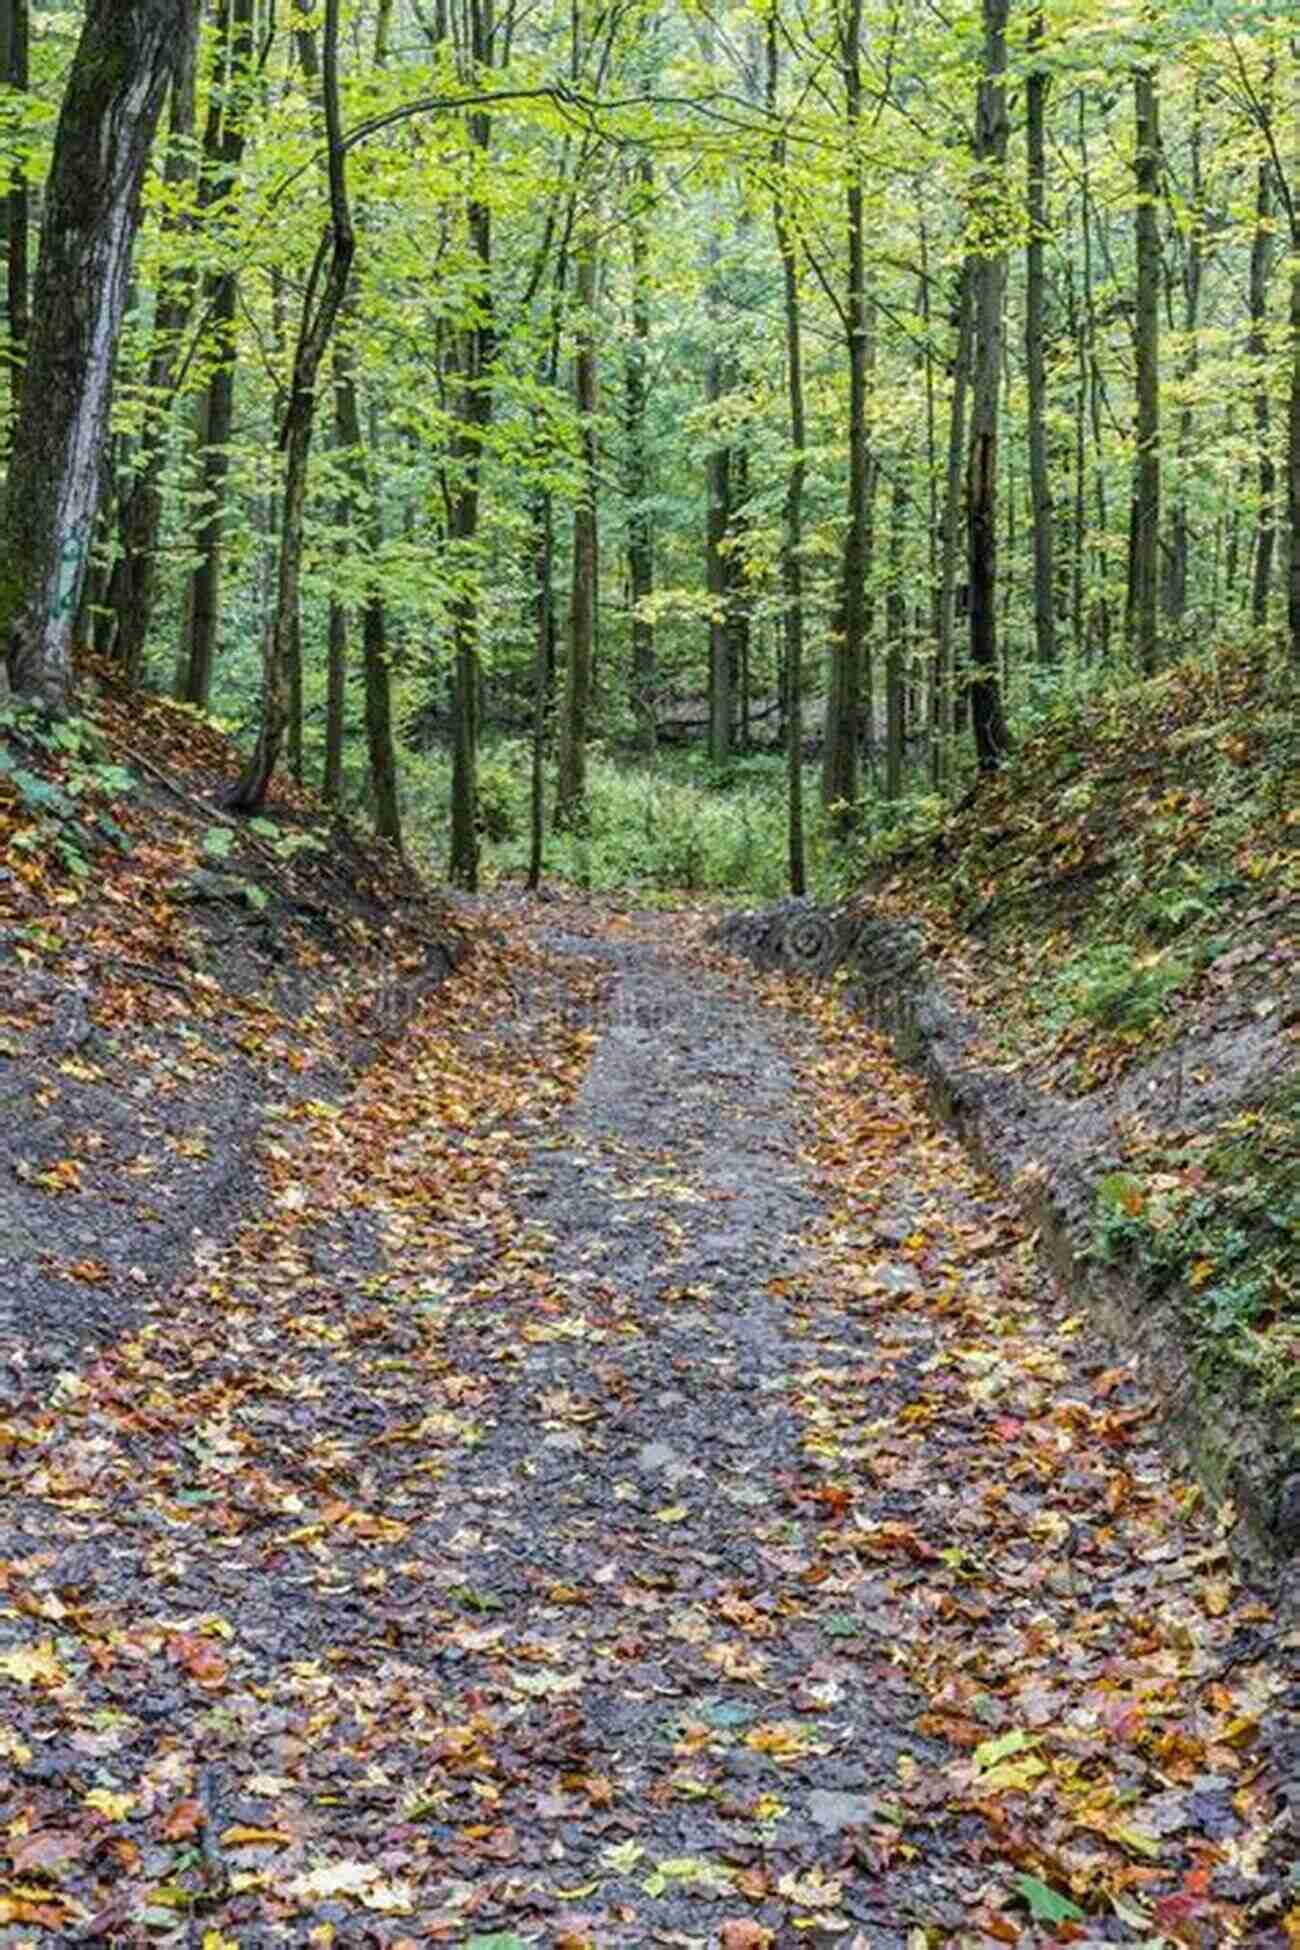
(115, 91)
(135, 573)
(326, 288)
(989, 273)
(16, 73)
(792, 540)
(717, 513)
(336, 696)
(223, 150)
(1144, 585)
(896, 635)
(640, 525)
(571, 782)
(478, 350)
(847, 705)
(1261, 259)
(1176, 570)
(950, 545)
(1040, 490)
(380, 747)
(543, 658)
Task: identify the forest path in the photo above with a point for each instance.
(630, 1486)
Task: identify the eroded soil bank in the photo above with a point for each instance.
(629, 1484)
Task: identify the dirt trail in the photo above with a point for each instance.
(630, 1487)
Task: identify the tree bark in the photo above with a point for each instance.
(1040, 489)
(478, 349)
(118, 82)
(640, 525)
(223, 150)
(17, 74)
(326, 288)
(380, 748)
(792, 540)
(571, 781)
(989, 275)
(1144, 588)
(1261, 260)
(849, 701)
(950, 541)
(135, 573)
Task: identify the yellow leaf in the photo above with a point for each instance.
(242, 1837)
(33, 1665)
(672, 1513)
(575, 1895)
(105, 1802)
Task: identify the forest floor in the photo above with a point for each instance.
(624, 1481)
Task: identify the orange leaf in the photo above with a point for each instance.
(185, 1819)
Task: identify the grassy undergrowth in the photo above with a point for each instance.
(671, 828)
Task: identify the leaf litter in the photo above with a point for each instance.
(688, 1520)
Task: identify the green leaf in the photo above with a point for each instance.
(499, 1940)
(217, 842)
(1045, 1906)
(990, 1752)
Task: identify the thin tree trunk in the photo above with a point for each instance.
(223, 150)
(1261, 260)
(896, 637)
(1176, 574)
(1040, 488)
(135, 574)
(380, 748)
(1144, 585)
(478, 355)
(326, 288)
(792, 540)
(115, 91)
(640, 525)
(571, 781)
(543, 659)
(850, 701)
(950, 548)
(17, 215)
(988, 722)
(717, 512)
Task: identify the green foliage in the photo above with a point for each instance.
(1111, 986)
(64, 807)
(1221, 1232)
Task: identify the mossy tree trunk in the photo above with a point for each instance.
(116, 87)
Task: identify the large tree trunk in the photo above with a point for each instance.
(1144, 586)
(989, 273)
(571, 781)
(640, 526)
(116, 87)
(326, 288)
(1040, 488)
